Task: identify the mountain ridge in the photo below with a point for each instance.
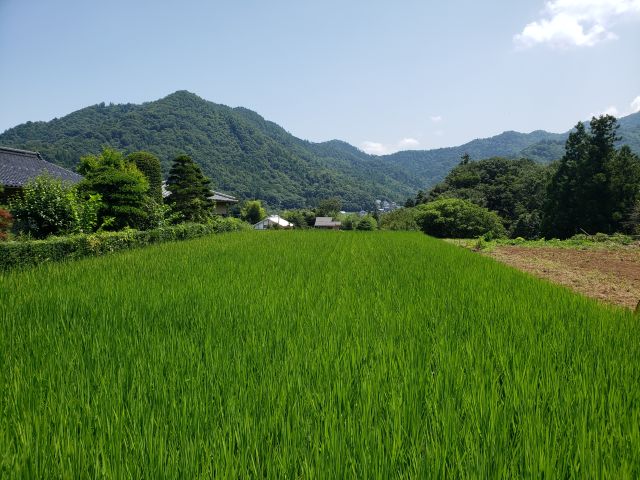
(250, 156)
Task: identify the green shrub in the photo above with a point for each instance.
(400, 219)
(5, 224)
(301, 217)
(349, 221)
(121, 186)
(456, 218)
(48, 206)
(17, 254)
(367, 223)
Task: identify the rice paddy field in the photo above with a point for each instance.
(311, 354)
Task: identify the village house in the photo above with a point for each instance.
(18, 167)
(327, 223)
(274, 221)
(222, 201)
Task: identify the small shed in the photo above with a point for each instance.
(327, 223)
(274, 221)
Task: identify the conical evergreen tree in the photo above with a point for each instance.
(189, 190)
(595, 186)
(561, 207)
(150, 167)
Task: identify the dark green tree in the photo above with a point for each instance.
(150, 167)
(594, 187)
(562, 207)
(121, 186)
(595, 208)
(624, 187)
(253, 211)
(190, 190)
(329, 207)
(512, 188)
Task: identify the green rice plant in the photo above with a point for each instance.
(311, 354)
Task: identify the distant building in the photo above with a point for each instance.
(383, 206)
(18, 167)
(274, 221)
(327, 223)
(222, 200)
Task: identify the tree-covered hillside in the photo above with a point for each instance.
(431, 166)
(248, 156)
(241, 152)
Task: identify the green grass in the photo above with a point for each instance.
(311, 354)
(599, 241)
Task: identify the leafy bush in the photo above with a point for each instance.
(301, 217)
(47, 206)
(17, 254)
(5, 224)
(367, 223)
(400, 219)
(121, 186)
(456, 218)
(348, 221)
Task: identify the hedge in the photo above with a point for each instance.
(27, 253)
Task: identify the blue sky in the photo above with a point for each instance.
(381, 75)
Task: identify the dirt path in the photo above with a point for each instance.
(611, 276)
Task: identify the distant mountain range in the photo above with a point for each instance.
(248, 156)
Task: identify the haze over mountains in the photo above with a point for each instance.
(248, 156)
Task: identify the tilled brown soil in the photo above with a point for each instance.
(611, 276)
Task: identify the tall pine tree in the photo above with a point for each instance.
(624, 184)
(562, 206)
(595, 187)
(189, 190)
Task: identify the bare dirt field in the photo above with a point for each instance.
(612, 276)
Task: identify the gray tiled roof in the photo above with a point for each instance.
(220, 197)
(326, 222)
(17, 167)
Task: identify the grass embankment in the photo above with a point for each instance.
(578, 242)
(289, 354)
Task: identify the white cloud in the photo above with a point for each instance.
(436, 118)
(408, 143)
(612, 110)
(374, 148)
(377, 148)
(634, 107)
(577, 23)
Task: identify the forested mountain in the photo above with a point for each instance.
(248, 156)
(242, 153)
(431, 166)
